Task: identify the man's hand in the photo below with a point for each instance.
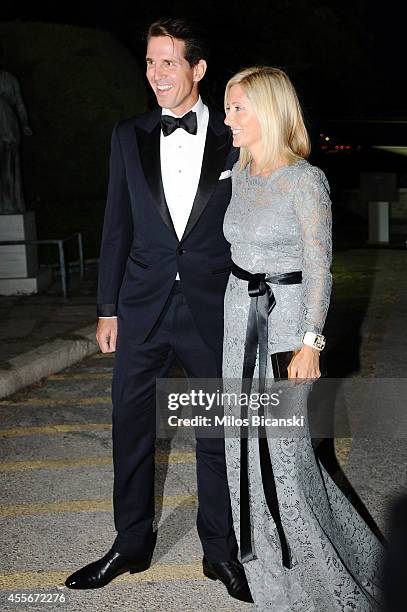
(106, 334)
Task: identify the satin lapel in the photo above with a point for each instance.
(149, 148)
(215, 153)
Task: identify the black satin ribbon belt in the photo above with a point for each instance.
(261, 304)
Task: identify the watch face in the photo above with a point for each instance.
(319, 342)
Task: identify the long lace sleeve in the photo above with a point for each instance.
(313, 207)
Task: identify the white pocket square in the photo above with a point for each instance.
(225, 174)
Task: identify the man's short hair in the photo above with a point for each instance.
(196, 46)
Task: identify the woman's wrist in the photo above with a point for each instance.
(314, 340)
(310, 350)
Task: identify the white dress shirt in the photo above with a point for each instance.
(181, 157)
(181, 162)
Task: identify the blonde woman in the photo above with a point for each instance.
(303, 545)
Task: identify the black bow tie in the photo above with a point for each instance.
(188, 123)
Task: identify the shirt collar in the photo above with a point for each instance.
(198, 108)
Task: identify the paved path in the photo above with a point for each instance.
(56, 512)
(56, 474)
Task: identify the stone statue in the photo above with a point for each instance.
(13, 121)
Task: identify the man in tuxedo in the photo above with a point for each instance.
(164, 266)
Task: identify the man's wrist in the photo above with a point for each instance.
(106, 310)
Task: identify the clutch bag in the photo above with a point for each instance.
(280, 362)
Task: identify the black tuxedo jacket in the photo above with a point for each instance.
(140, 252)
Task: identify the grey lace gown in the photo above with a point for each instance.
(278, 224)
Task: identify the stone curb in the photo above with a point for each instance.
(47, 359)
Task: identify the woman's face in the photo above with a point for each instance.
(241, 119)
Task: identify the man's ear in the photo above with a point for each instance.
(199, 70)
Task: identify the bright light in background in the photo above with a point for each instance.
(395, 149)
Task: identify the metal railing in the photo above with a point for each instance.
(61, 252)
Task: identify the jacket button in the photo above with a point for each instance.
(181, 251)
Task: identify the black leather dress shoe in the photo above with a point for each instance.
(101, 572)
(231, 573)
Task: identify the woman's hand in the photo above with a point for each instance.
(305, 364)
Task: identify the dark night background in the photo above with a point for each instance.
(345, 59)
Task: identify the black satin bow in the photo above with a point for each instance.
(188, 123)
(261, 304)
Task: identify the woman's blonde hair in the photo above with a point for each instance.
(279, 113)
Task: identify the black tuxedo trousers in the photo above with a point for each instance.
(134, 427)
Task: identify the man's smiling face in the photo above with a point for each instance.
(173, 80)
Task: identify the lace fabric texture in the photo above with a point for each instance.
(282, 223)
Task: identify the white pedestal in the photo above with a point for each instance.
(378, 222)
(26, 286)
(18, 262)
